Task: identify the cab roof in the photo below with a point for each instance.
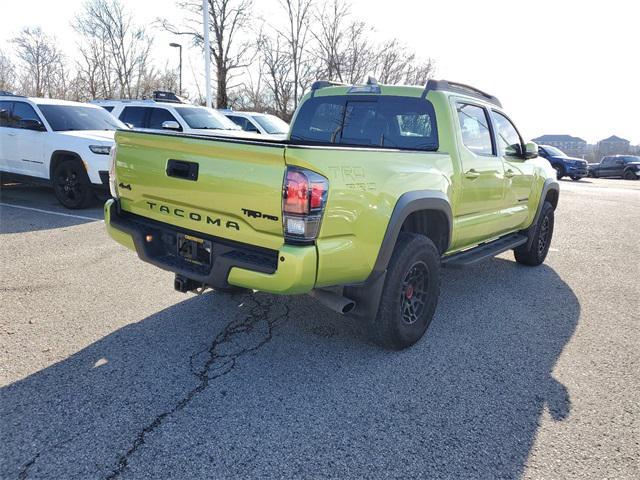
(47, 101)
(324, 87)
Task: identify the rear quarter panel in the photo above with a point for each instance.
(364, 187)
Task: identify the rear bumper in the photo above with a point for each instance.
(289, 270)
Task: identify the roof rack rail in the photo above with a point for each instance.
(445, 85)
(326, 83)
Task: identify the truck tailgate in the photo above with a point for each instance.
(226, 188)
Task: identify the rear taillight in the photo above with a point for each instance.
(304, 196)
(113, 189)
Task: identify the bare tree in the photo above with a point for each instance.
(330, 36)
(276, 61)
(7, 73)
(95, 68)
(398, 65)
(41, 62)
(153, 79)
(108, 29)
(296, 36)
(343, 49)
(227, 19)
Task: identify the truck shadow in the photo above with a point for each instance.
(280, 387)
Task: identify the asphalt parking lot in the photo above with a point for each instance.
(106, 372)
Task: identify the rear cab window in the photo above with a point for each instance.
(386, 121)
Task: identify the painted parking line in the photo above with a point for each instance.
(51, 212)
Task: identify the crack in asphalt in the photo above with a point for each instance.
(24, 471)
(218, 364)
(221, 359)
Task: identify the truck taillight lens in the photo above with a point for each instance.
(113, 189)
(304, 196)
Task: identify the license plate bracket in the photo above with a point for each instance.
(193, 249)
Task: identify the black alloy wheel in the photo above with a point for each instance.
(413, 296)
(71, 184)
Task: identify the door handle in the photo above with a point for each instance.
(471, 173)
(509, 173)
(11, 134)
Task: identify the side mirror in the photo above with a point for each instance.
(171, 125)
(530, 150)
(32, 124)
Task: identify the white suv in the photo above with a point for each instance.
(168, 112)
(265, 124)
(66, 144)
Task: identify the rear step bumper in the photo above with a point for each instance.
(292, 269)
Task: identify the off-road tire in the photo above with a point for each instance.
(629, 175)
(71, 185)
(542, 234)
(410, 293)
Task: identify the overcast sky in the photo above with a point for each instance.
(558, 66)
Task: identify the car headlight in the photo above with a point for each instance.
(100, 149)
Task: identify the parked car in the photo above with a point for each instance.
(262, 123)
(168, 112)
(564, 165)
(617, 166)
(377, 187)
(65, 144)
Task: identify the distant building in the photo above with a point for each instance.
(570, 145)
(613, 146)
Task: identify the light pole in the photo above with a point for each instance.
(207, 51)
(177, 45)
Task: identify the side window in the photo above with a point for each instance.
(23, 111)
(506, 135)
(5, 113)
(107, 108)
(475, 129)
(158, 116)
(606, 161)
(250, 127)
(134, 115)
(243, 123)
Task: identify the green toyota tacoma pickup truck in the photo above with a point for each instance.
(376, 189)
